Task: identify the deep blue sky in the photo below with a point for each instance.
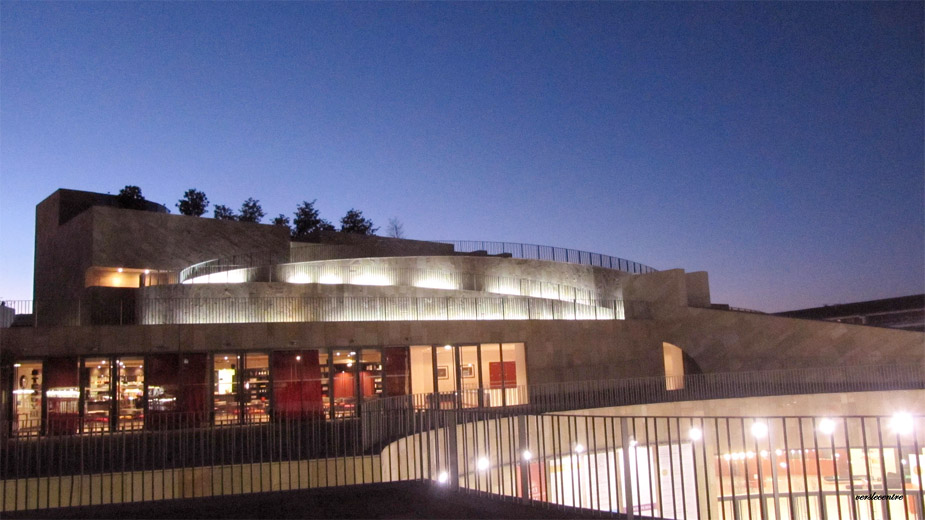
(778, 146)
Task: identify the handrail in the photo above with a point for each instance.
(549, 253)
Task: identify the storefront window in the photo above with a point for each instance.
(514, 373)
(97, 378)
(297, 386)
(422, 374)
(130, 393)
(27, 398)
(446, 376)
(62, 395)
(345, 385)
(226, 399)
(469, 376)
(371, 385)
(397, 371)
(256, 387)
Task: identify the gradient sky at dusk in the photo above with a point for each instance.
(778, 146)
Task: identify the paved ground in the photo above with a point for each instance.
(410, 500)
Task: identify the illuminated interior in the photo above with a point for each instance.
(674, 366)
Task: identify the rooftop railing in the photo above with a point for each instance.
(549, 253)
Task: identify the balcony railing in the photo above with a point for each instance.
(272, 309)
(549, 253)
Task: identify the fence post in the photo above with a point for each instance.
(627, 470)
(523, 443)
(452, 460)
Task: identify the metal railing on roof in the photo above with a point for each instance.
(549, 253)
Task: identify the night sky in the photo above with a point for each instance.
(778, 146)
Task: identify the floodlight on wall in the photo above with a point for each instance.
(526, 455)
(443, 477)
(827, 426)
(330, 279)
(581, 449)
(299, 278)
(483, 464)
(695, 434)
(759, 430)
(901, 423)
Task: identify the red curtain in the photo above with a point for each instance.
(63, 416)
(396, 371)
(296, 384)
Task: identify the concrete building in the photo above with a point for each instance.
(140, 312)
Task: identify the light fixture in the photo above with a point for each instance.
(695, 434)
(483, 464)
(759, 430)
(119, 270)
(581, 449)
(827, 426)
(901, 423)
(17, 365)
(147, 271)
(447, 347)
(226, 358)
(104, 362)
(337, 353)
(353, 353)
(298, 358)
(349, 364)
(442, 477)
(526, 455)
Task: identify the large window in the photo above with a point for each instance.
(96, 377)
(62, 395)
(27, 397)
(297, 384)
(226, 390)
(130, 393)
(256, 387)
(345, 385)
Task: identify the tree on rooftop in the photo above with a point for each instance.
(395, 229)
(251, 211)
(130, 197)
(193, 203)
(283, 221)
(355, 222)
(307, 220)
(223, 212)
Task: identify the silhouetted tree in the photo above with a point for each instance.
(193, 203)
(130, 197)
(223, 212)
(307, 220)
(251, 211)
(354, 222)
(395, 229)
(283, 221)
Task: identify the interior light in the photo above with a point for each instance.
(17, 365)
(759, 430)
(298, 358)
(337, 353)
(901, 423)
(119, 270)
(226, 358)
(483, 464)
(447, 347)
(526, 455)
(827, 426)
(442, 477)
(104, 361)
(147, 271)
(695, 434)
(581, 449)
(353, 353)
(349, 364)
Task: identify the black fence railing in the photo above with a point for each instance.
(549, 253)
(495, 450)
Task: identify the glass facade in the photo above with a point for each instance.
(68, 395)
(96, 381)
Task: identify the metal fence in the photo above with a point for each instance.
(549, 253)
(275, 309)
(674, 467)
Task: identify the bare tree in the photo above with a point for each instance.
(395, 229)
